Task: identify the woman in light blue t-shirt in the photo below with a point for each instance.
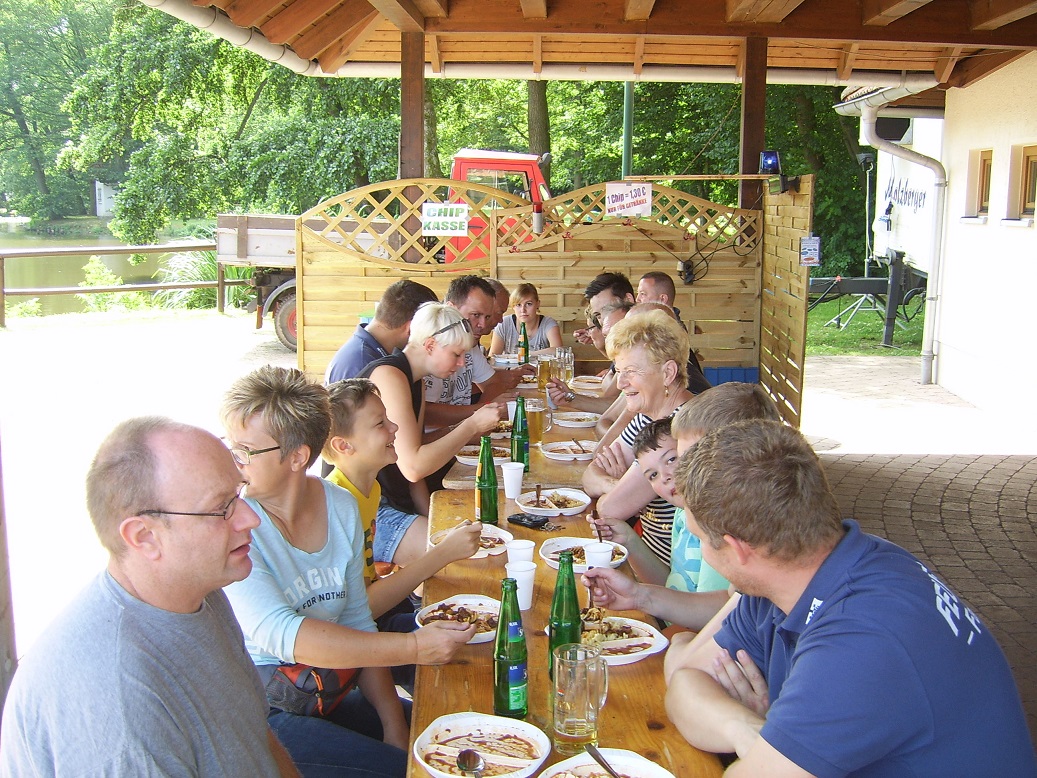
(543, 332)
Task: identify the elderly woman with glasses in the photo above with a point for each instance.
(650, 353)
(439, 338)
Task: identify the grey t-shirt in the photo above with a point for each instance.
(116, 687)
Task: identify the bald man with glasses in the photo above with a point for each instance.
(145, 672)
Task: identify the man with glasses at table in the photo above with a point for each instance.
(145, 672)
(452, 400)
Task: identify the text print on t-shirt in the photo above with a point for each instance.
(315, 578)
(951, 608)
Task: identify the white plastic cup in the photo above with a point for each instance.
(512, 479)
(598, 554)
(523, 573)
(520, 550)
(512, 404)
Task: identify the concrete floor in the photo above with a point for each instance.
(950, 482)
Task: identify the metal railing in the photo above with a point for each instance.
(220, 284)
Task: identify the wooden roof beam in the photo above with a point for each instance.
(436, 8)
(403, 14)
(637, 10)
(881, 12)
(538, 53)
(846, 60)
(295, 18)
(991, 14)
(760, 11)
(324, 34)
(639, 54)
(534, 9)
(945, 63)
(339, 53)
(435, 55)
(972, 69)
(247, 13)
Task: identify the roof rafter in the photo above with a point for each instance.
(247, 13)
(972, 69)
(945, 64)
(760, 11)
(343, 49)
(534, 9)
(295, 18)
(991, 14)
(322, 36)
(882, 12)
(846, 60)
(403, 14)
(637, 10)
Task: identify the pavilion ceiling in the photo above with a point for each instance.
(954, 41)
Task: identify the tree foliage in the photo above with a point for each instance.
(187, 126)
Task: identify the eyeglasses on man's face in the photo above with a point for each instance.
(243, 456)
(225, 514)
(463, 324)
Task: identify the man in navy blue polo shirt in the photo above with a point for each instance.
(868, 664)
(388, 331)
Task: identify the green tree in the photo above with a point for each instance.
(44, 47)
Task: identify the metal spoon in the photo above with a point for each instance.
(470, 762)
(597, 757)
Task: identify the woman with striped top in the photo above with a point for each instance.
(650, 353)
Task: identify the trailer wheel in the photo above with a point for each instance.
(285, 324)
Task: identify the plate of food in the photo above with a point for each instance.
(626, 763)
(506, 359)
(554, 502)
(589, 380)
(575, 419)
(511, 748)
(467, 609)
(550, 549)
(469, 455)
(578, 450)
(492, 541)
(501, 432)
(528, 381)
(623, 641)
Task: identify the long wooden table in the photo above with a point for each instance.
(634, 716)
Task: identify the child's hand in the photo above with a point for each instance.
(615, 530)
(461, 542)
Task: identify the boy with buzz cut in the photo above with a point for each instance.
(689, 592)
(360, 444)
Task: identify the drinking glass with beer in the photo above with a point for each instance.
(539, 420)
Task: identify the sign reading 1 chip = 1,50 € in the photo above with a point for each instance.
(624, 198)
(444, 219)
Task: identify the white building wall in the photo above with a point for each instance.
(988, 318)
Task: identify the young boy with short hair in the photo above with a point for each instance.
(360, 444)
(689, 592)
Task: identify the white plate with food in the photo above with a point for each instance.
(624, 641)
(569, 452)
(589, 380)
(550, 549)
(492, 540)
(511, 747)
(469, 455)
(464, 608)
(575, 419)
(529, 380)
(626, 763)
(554, 502)
(506, 359)
(501, 432)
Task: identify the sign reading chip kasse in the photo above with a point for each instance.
(444, 219)
(625, 198)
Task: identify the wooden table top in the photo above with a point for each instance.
(634, 717)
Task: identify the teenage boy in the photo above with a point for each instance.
(362, 442)
(689, 592)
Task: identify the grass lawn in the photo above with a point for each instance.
(863, 335)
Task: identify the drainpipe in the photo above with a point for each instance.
(867, 107)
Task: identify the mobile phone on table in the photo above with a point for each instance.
(527, 520)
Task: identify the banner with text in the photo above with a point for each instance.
(444, 219)
(628, 198)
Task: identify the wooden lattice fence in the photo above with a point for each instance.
(351, 247)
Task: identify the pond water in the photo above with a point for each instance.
(38, 272)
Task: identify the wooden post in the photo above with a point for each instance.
(8, 657)
(754, 108)
(412, 121)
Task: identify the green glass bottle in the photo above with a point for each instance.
(520, 434)
(523, 346)
(486, 485)
(565, 610)
(510, 679)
